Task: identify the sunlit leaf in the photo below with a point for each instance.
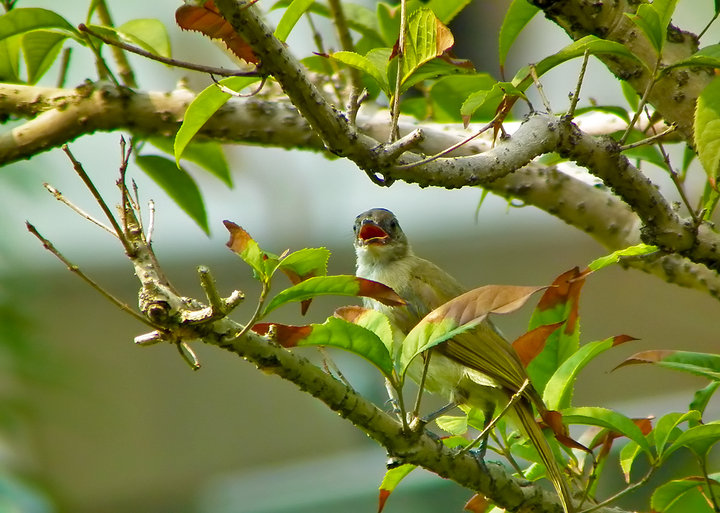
(602, 417)
(703, 396)
(390, 481)
(706, 128)
(374, 321)
(19, 21)
(530, 344)
(290, 18)
(517, 16)
(455, 425)
(446, 10)
(243, 245)
(488, 99)
(701, 364)
(461, 314)
(334, 332)
(358, 17)
(40, 49)
(683, 495)
(340, 285)
(149, 33)
(203, 107)
(558, 391)
(206, 19)
(698, 439)
(10, 59)
(628, 455)
(178, 184)
(303, 264)
(666, 428)
(426, 38)
(373, 64)
(448, 93)
(615, 256)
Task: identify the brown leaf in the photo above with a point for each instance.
(653, 356)
(382, 499)
(207, 20)
(443, 37)
(553, 420)
(480, 302)
(566, 288)
(621, 339)
(284, 334)
(531, 344)
(239, 238)
(379, 292)
(350, 313)
(477, 504)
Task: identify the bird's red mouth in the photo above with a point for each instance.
(372, 234)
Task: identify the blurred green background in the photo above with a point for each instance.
(90, 422)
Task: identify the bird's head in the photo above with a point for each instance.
(378, 236)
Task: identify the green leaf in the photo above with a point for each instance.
(558, 391)
(374, 321)
(448, 93)
(703, 396)
(593, 45)
(147, 33)
(631, 95)
(517, 16)
(446, 10)
(10, 59)
(340, 285)
(682, 495)
(40, 49)
(707, 128)
(203, 107)
(358, 17)
(708, 56)
(455, 425)
(178, 184)
(488, 100)
(615, 256)
(374, 64)
(290, 17)
(648, 20)
(208, 155)
(19, 21)
(698, 439)
(559, 304)
(666, 428)
(425, 39)
(602, 417)
(391, 480)
(242, 244)
(628, 455)
(306, 262)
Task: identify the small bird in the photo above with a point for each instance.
(478, 368)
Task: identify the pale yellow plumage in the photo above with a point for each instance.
(478, 368)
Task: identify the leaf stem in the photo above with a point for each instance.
(125, 70)
(398, 79)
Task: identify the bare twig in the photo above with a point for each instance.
(641, 105)
(650, 139)
(576, 95)
(75, 269)
(62, 199)
(129, 250)
(236, 94)
(540, 90)
(398, 81)
(166, 60)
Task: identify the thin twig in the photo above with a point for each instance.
(576, 95)
(129, 251)
(331, 367)
(151, 222)
(236, 94)
(125, 70)
(622, 493)
(103, 69)
(346, 43)
(641, 105)
(75, 269)
(62, 199)
(455, 146)
(165, 60)
(326, 63)
(702, 32)
(541, 91)
(650, 139)
(421, 387)
(398, 79)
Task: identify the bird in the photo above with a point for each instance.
(478, 368)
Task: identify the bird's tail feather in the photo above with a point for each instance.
(527, 420)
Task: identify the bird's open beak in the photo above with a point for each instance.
(370, 233)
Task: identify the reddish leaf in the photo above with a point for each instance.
(477, 504)
(566, 288)
(350, 313)
(207, 20)
(530, 344)
(653, 356)
(379, 292)
(553, 420)
(382, 499)
(239, 238)
(284, 334)
(621, 339)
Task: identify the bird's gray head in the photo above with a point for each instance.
(378, 236)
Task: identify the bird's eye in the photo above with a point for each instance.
(393, 224)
